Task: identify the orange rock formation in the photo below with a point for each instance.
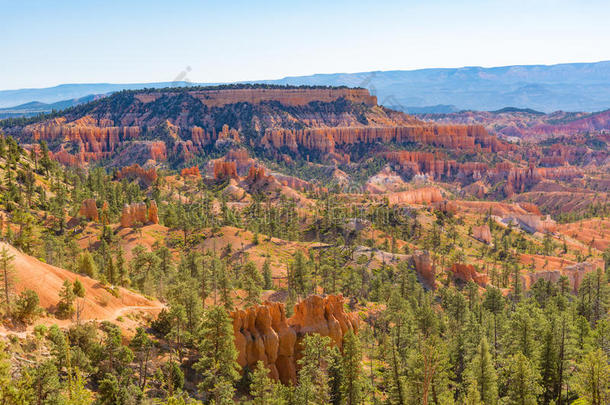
(263, 333)
(190, 171)
(139, 212)
(467, 272)
(422, 262)
(482, 233)
(223, 170)
(424, 195)
(575, 274)
(88, 209)
(472, 138)
(145, 176)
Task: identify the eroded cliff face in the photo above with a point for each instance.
(139, 213)
(471, 138)
(263, 333)
(136, 172)
(467, 272)
(94, 139)
(180, 125)
(424, 195)
(575, 274)
(476, 174)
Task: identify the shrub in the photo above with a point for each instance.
(26, 306)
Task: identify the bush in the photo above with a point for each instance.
(26, 306)
(162, 324)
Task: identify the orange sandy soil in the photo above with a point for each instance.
(544, 262)
(98, 303)
(129, 237)
(280, 252)
(588, 230)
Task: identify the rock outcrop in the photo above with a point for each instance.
(263, 333)
(424, 195)
(482, 233)
(471, 138)
(190, 171)
(139, 212)
(95, 139)
(575, 273)
(88, 209)
(225, 170)
(422, 262)
(146, 177)
(467, 272)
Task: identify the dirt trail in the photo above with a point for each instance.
(99, 303)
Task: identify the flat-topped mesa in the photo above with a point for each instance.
(285, 96)
(139, 213)
(263, 333)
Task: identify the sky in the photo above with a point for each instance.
(46, 43)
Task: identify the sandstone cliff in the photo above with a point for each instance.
(286, 96)
(424, 195)
(327, 140)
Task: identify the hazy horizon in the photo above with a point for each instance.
(304, 75)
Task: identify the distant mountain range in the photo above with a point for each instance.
(36, 107)
(547, 88)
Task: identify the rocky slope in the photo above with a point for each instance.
(181, 124)
(528, 124)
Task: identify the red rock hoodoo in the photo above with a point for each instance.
(225, 170)
(135, 172)
(263, 333)
(422, 262)
(139, 212)
(467, 272)
(190, 171)
(88, 209)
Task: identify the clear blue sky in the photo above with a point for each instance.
(45, 43)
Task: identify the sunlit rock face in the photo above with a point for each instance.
(263, 333)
